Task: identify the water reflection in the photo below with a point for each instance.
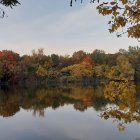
(38, 99)
(117, 100)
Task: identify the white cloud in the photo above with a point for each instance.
(81, 19)
(60, 32)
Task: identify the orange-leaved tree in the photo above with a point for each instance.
(124, 15)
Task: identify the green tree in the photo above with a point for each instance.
(98, 56)
(55, 59)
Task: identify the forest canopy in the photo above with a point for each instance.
(81, 66)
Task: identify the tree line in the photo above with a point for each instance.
(121, 66)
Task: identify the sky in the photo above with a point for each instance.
(58, 28)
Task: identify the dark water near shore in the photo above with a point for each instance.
(62, 113)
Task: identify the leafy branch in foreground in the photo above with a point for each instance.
(10, 3)
(126, 107)
(7, 3)
(125, 15)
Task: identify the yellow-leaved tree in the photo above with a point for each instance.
(124, 15)
(126, 107)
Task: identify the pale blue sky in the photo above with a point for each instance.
(58, 28)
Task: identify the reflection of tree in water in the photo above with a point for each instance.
(126, 108)
(118, 100)
(9, 104)
(100, 102)
(38, 99)
(137, 139)
(80, 106)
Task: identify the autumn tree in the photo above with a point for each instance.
(88, 61)
(123, 70)
(9, 62)
(65, 61)
(100, 70)
(124, 15)
(78, 56)
(79, 70)
(121, 66)
(126, 107)
(41, 72)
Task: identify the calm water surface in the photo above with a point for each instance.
(61, 113)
